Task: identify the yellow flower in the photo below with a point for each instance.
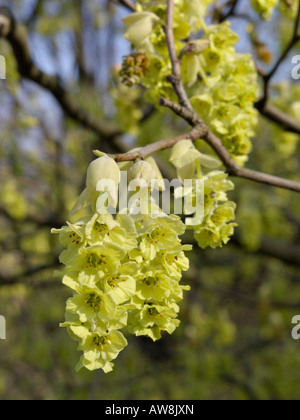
(140, 27)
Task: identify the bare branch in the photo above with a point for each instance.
(231, 11)
(197, 133)
(128, 4)
(17, 36)
(232, 167)
(270, 247)
(176, 78)
(268, 77)
(279, 117)
(187, 112)
(28, 274)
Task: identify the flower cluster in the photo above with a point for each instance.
(289, 8)
(225, 89)
(161, 260)
(134, 67)
(123, 270)
(264, 8)
(216, 225)
(221, 84)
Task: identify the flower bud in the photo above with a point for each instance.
(184, 157)
(195, 47)
(100, 169)
(143, 173)
(140, 27)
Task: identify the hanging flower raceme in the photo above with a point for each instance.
(124, 270)
(216, 225)
(222, 83)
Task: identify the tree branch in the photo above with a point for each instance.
(176, 77)
(268, 77)
(186, 111)
(231, 11)
(272, 248)
(128, 4)
(197, 133)
(17, 36)
(279, 117)
(232, 167)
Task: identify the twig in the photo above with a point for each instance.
(270, 247)
(187, 112)
(128, 4)
(176, 77)
(197, 133)
(230, 12)
(232, 167)
(294, 40)
(279, 117)
(17, 36)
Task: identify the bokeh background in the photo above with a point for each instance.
(235, 338)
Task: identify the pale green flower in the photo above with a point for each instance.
(153, 285)
(174, 260)
(141, 26)
(104, 229)
(99, 350)
(152, 320)
(195, 47)
(185, 157)
(265, 7)
(144, 175)
(91, 303)
(160, 233)
(121, 288)
(97, 260)
(71, 237)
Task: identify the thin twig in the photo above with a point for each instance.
(268, 77)
(176, 77)
(128, 4)
(279, 117)
(17, 36)
(230, 12)
(232, 167)
(197, 133)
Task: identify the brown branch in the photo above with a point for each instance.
(268, 77)
(231, 11)
(51, 221)
(186, 111)
(272, 248)
(28, 274)
(232, 167)
(128, 4)
(279, 117)
(176, 77)
(197, 133)
(295, 38)
(17, 36)
(235, 170)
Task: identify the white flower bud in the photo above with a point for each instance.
(184, 157)
(101, 169)
(140, 27)
(195, 47)
(142, 173)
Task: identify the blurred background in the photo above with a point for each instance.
(235, 340)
